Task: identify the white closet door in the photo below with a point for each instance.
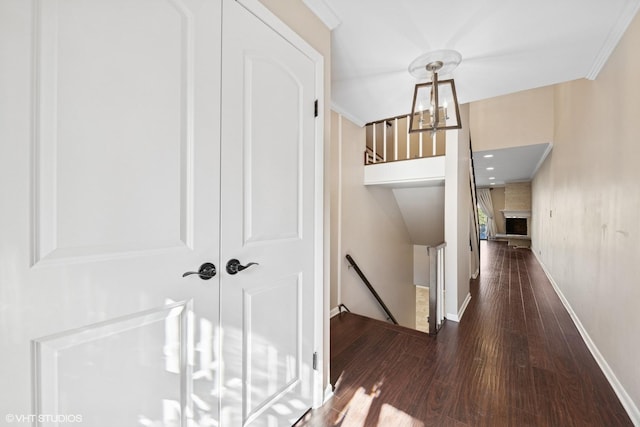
(109, 178)
(267, 189)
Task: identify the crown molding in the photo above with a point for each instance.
(625, 17)
(344, 113)
(324, 12)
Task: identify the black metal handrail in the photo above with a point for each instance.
(474, 194)
(371, 289)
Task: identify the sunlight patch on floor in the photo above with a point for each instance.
(358, 411)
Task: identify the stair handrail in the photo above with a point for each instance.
(474, 195)
(369, 152)
(476, 217)
(371, 289)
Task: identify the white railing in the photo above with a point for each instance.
(436, 287)
(389, 140)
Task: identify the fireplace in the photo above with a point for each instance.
(516, 226)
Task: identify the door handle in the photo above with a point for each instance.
(206, 272)
(234, 266)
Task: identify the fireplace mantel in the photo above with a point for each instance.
(515, 214)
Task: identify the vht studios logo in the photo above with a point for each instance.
(43, 418)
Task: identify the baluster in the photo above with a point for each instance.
(384, 141)
(408, 140)
(395, 139)
(433, 143)
(375, 142)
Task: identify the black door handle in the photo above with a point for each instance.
(234, 266)
(206, 272)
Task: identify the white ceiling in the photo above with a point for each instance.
(506, 46)
(515, 164)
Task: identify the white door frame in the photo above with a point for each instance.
(321, 311)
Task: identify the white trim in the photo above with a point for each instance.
(338, 259)
(338, 109)
(424, 172)
(625, 399)
(542, 159)
(463, 307)
(508, 213)
(323, 275)
(321, 280)
(322, 10)
(261, 12)
(334, 312)
(617, 31)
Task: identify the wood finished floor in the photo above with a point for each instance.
(515, 359)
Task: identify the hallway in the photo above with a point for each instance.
(515, 359)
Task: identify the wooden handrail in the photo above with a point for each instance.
(395, 147)
(379, 158)
(371, 289)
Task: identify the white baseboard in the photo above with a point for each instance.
(463, 307)
(625, 399)
(334, 312)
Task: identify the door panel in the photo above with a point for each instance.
(109, 159)
(272, 349)
(272, 214)
(91, 57)
(80, 370)
(267, 214)
(110, 176)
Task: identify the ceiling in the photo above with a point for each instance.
(505, 165)
(506, 46)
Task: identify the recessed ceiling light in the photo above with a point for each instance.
(490, 168)
(493, 183)
(487, 156)
(492, 177)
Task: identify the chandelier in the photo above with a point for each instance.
(435, 104)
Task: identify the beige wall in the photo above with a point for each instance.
(517, 196)
(586, 203)
(374, 234)
(518, 119)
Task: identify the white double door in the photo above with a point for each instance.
(140, 140)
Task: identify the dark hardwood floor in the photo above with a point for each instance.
(515, 359)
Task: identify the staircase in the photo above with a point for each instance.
(430, 187)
